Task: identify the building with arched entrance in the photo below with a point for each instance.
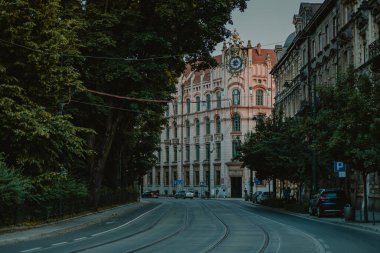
(211, 112)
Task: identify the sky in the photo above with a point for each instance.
(266, 21)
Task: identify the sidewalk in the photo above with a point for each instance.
(17, 234)
(357, 224)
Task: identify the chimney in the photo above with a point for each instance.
(249, 45)
(258, 48)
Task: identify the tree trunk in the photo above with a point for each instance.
(365, 204)
(109, 136)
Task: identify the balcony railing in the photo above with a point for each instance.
(218, 137)
(374, 49)
(196, 139)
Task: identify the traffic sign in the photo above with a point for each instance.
(340, 169)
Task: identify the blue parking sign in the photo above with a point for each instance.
(340, 169)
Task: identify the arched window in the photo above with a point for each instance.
(259, 97)
(198, 99)
(218, 125)
(218, 99)
(188, 104)
(187, 129)
(208, 101)
(207, 125)
(175, 130)
(236, 97)
(236, 123)
(197, 127)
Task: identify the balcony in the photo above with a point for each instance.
(167, 142)
(208, 138)
(175, 141)
(187, 140)
(196, 139)
(374, 49)
(218, 137)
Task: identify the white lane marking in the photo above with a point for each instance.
(59, 243)
(29, 250)
(125, 224)
(78, 239)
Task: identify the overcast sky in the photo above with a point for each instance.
(266, 21)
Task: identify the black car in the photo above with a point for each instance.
(327, 201)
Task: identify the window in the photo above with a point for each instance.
(259, 97)
(175, 130)
(207, 125)
(313, 48)
(159, 155)
(150, 178)
(175, 153)
(327, 35)
(167, 154)
(304, 59)
(208, 152)
(175, 108)
(187, 179)
(219, 100)
(188, 104)
(207, 176)
(320, 41)
(167, 132)
(198, 99)
(217, 177)
(187, 129)
(236, 97)
(218, 151)
(166, 177)
(335, 27)
(236, 123)
(197, 152)
(218, 125)
(188, 153)
(196, 179)
(208, 101)
(197, 127)
(235, 148)
(174, 176)
(158, 178)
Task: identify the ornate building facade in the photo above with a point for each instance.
(210, 114)
(328, 38)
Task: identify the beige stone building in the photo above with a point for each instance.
(210, 114)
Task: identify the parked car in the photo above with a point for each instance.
(327, 201)
(190, 194)
(184, 195)
(255, 195)
(150, 194)
(263, 197)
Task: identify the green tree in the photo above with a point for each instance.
(138, 49)
(347, 112)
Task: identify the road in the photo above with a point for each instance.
(169, 225)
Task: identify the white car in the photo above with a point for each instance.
(189, 194)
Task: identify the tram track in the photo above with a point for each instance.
(266, 241)
(222, 238)
(184, 225)
(151, 226)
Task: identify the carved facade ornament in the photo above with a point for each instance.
(235, 56)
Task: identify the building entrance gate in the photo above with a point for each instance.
(236, 187)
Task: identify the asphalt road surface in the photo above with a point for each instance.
(170, 225)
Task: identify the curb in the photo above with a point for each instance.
(342, 224)
(59, 230)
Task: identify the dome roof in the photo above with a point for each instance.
(289, 39)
